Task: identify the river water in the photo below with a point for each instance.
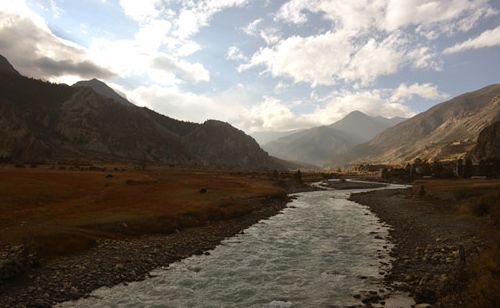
(316, 253)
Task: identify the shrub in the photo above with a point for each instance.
(421, 190)
(487, 205)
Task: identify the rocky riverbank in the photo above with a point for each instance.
(341, 184)
(432, 246)
(120, 261)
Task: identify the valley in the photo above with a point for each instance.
(263, 154)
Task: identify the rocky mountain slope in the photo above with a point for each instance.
(318, 145)
(46, 122)
(102, 89)
(488, 143)
(6, 67)
(445, 131)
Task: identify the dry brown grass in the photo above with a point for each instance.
(478, 200)
(63, 211)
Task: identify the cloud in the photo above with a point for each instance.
(270, 114)
(234, 53)
(327, 58)
(193, 72)
(141, 10)
(371, 102)
(180, 104)
(426, 90)
(488, 38)
(252, 28)
(389, 15)
(40, 53)
(366, 39)
(84, 69)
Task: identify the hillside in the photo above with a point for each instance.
(46, 122)
(264, 137)
(445, 131)
(102, 89)
(318, 145)
(488, 143)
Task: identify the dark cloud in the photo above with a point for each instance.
(85, 69)
(36, 52)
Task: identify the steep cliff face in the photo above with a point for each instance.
(41, 121)
(488, 143)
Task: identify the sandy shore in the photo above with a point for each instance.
(428, 258)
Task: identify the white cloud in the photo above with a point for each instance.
(193, 72)
(327, 58)
(271, 36)
(367, 39)
(314, 59)
(488, 38)
(252, 28)
(141, 10)
(389, 15)
(374, 103)
(424, 57)
(270, 114)
(176, 103)
(234, 53)
(426, 90)
(374, 59)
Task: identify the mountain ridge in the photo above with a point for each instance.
(46, 122)
(103, 89)
(445, 131)
(318, 145)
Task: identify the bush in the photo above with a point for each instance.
(487, 205)
(421, 191)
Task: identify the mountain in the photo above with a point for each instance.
(488, 143)
(319, 145)
(362, 127)
(46, 122)
(103, 89)
(445, 131)
(6, 67)
(264, 137)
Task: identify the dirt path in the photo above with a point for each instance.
(432, 245)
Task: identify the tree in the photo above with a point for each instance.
(298, 176)
(384, 173)
(437, 168)
(460, 168)
(275, 173)
(468, 168)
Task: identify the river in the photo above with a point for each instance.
(318, 252)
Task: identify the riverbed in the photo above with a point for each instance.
(319, 252)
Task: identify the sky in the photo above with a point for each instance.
(261, 65)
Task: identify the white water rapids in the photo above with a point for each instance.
(316, 253)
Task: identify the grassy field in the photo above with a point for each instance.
(478, 200)
(63, 211)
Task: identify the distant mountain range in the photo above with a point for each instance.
(90, 122)
(264, 137)
(320, 145)
(446, 131)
